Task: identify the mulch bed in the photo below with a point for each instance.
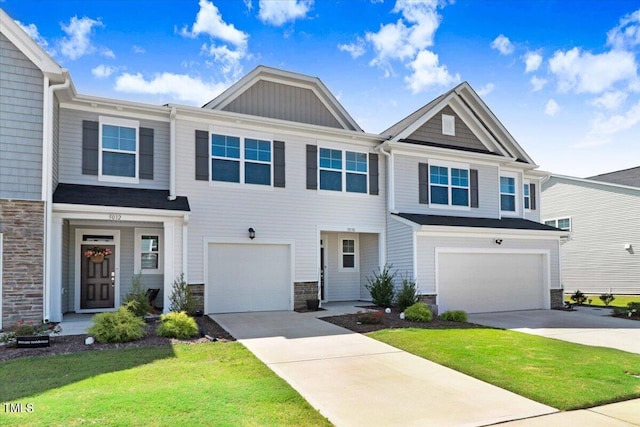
(75, 343)
(392, 320)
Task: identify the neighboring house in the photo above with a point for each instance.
(600, 214)
(267, 196)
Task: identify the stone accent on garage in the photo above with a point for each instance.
(302, 292)
(431, 301)
(557, 298)
(197, 292)
(23, 259)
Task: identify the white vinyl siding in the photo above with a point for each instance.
(400, 247)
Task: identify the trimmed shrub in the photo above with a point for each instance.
(418, 312)
(116, 327)
(578, 297)
(137, 296)
(607, 299)
(370, 317)
(454, 316)
(407, 295)
(177, 325)
(381, 287)
(181, 298)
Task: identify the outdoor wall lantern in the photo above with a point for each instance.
(252, 233)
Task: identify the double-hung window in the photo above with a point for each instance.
(348, 254)
(118, 149)
(241, 160)
(507, 194)
(148, 250)
(449, 185)
(343, 170)
(526, 191)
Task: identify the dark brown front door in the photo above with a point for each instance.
(97, 283)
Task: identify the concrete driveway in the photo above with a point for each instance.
(583, 327)
(357, 381)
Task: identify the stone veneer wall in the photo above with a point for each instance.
(22, 260)
(430, 300)
(557, 298)
(302, 291)
(197, 292)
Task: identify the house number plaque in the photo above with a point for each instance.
(115, 217)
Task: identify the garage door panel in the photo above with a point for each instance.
(254, 277)
(481, 282)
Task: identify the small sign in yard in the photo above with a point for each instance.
(33, 341)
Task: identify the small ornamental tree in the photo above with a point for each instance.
(181, 298)
(381, 287)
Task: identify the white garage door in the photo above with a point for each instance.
(249, 278)
(481, 282)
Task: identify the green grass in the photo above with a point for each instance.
(560, 374)
(214, 384)
(620, 301)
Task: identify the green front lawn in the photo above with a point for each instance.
(620, 301)
(559, 374)
(214, 384)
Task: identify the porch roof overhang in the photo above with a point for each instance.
(423, 222)
(122, 197)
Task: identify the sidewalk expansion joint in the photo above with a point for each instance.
(335, 357)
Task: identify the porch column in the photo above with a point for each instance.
(54, 296)
(169, 261)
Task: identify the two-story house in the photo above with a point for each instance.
(268, 195)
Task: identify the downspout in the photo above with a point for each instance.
(390, 190)
(47, 182)
(172, 155)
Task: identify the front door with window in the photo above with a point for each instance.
(97, 283)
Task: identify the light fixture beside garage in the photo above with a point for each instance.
(252, 233)
(498, 241)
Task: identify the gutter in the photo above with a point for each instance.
(172, 155)
(47, 181)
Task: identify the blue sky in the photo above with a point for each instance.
(561, 75)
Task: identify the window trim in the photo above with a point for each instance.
(526, 183)
(356, 261)
(242, 159)
(555, 221)
(450, 186)
(343, 171)
(117, 121)
(138, 233)
(516, 194)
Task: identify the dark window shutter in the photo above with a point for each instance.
(423, 182)
(312, 167)
(373, 174)
(146, 153)
(202, 155)
(474, 187)
(278, 164)
(90, 146)
(532, 194)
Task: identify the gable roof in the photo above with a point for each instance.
(477, 116)
(30, 48)
(310, 87)
(629, 177)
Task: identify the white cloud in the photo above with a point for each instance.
(355, 49)
(427, 72)
(584, 72)
(551, 108)
(604, 128)
(532, 61)
(138, 49)
(627, 33)
(103, 71)
(486, 89)
(33, 32)
(107, 53)
(178, 86)
(77, 41)
(538, 83)
(610, 100)
(503, 45)
(280, 12)
(209, 21)
(227, 59)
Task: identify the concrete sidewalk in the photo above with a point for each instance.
(355, 381)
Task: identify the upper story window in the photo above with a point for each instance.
(526, 194)
(241, 160)
(343, 170)
(563, 224)
(507, 194)
(118, 150)
(449, 185)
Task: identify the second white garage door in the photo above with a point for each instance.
(248, 278)
(485, 282)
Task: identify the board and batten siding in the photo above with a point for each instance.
(427, 245)
(225, 211)
(400, 248)
(284, 102)
(21, 116)
(407, 197)
(70, 157)
(603, 220)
